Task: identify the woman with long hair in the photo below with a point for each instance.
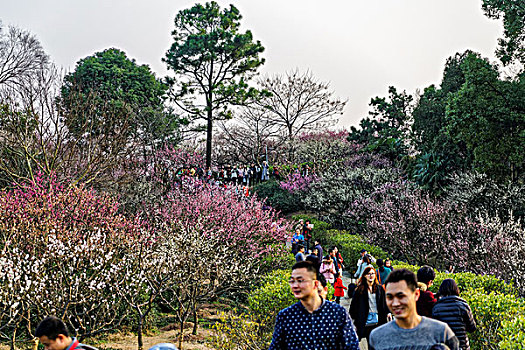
(455, 312)
(368, 308)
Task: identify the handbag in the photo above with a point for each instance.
(372, 319)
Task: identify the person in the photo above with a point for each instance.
(450, 269)
(410, 330)
(364, 264)
(455, 312)
(388, 263)
(265, 172)
(300, 254)
(53, 335)
(426, 301)
(297, 239)
(363, 254)
(314, 258)
(327, 269)
(312, 322)
(339, 288)
(382, 272)
(163, 346)
(319, 249)
(368, 308)
(332, 254)
(307, 233)
(323, 286)
(339, 260)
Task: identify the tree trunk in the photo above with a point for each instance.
(181, 335)
(12, 344)
(195, 320)
(139, 333)
(209, 134)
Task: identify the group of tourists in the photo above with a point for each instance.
(391, 309)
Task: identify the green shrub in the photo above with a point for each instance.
(466, 281)
(279, 259)
(278, 198)
(495, 315)
(513, 334)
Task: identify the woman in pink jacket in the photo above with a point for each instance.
(328, 269)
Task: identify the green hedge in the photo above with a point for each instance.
(512, 334)
(498, 319)
(467, 281)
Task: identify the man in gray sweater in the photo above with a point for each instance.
(409, 330)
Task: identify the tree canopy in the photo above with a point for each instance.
(212, 61)
(125, 98)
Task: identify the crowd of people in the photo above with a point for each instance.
(391, 309)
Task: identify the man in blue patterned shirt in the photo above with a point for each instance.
(312, 323)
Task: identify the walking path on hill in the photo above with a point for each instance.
(345, 302)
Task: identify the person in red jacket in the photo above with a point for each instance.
(426, 301)
(339, 289)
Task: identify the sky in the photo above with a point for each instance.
(360, 47)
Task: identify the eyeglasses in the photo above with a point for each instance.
(371, 274)
(292, 281)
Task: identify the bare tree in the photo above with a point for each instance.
(244, 139)
(21, 56)
(299, 102)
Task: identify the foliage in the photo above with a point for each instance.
(386, 130)
(212, 59)
(512, 45)
(466, 281)
(338, 188)
(122, 88)
(490, 312)
(487, 115)
(322, 148)
(280, 199)
(22, 58)
(512, 334)
(297, 182)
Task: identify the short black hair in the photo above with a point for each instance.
(426, 274)
(51, 327)
(305, 265)
(322, 279)
(399, 275)
(448, 287)
(380, 262)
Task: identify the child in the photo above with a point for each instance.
(339, 288)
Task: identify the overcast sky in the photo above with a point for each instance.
(360, 47)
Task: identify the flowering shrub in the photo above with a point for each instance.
(323, 148)
(339, 187)
(481, 195)
(419, 229)
(296, 182)
(61, 253)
